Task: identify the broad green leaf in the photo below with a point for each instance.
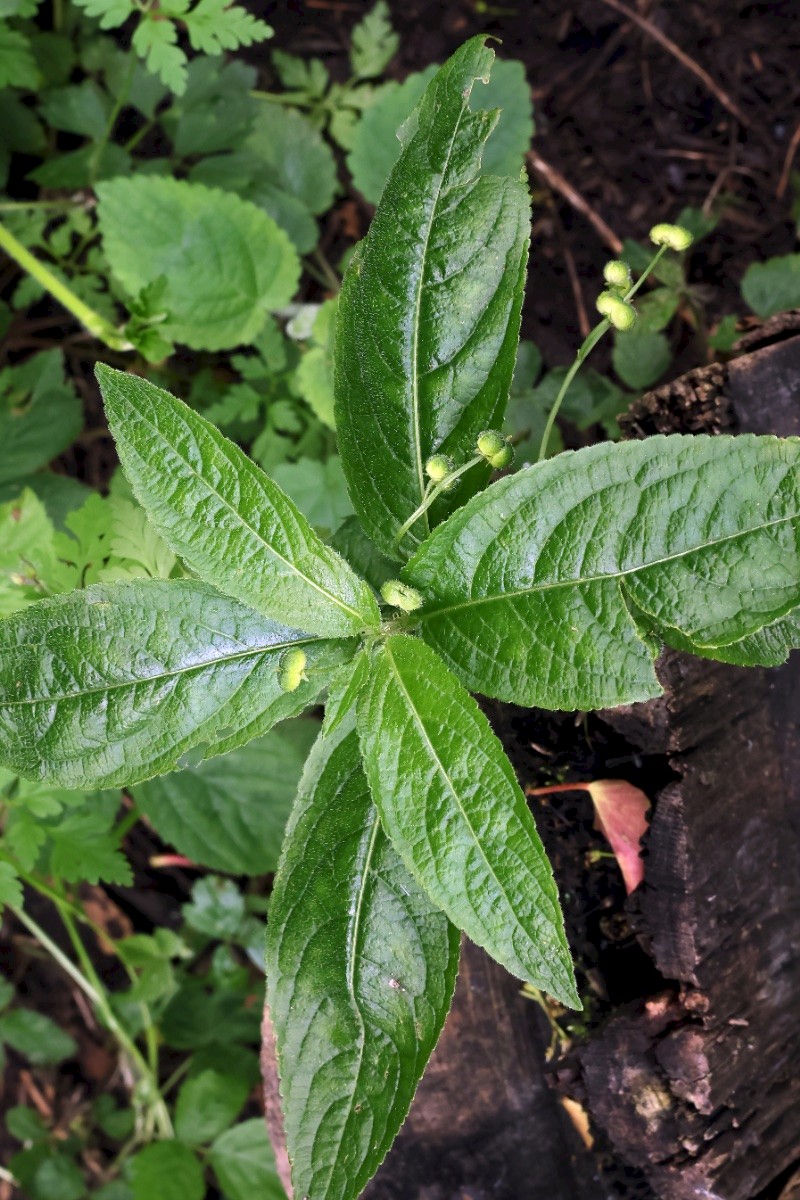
(166, 1170)
(39, 415)
(35, 1036)
(318, 489)
(376, 148)
(26, 551)
(225, 517)
(773, 286)
(244, 1164)
(360, 969)
(208, 1103)
(116, 683)
(80, 108)
(225, 261)
(429, 310)
(640, 358)
(230, 813)
(215, 112)
(529, 589)
(767, 647)
(294, 157)
(344, 689)
(450, 802)
(216, 908)
(362, 554)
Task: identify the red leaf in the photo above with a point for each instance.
(621, 816)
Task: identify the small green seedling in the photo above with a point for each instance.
(555, 586)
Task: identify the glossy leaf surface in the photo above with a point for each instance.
(450, 802)
(531, 588)
(231, 523)
(360, 970)
(429, 311)
(115, 683)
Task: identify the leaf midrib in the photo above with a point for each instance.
(227, 504)
(453, 791)
(415, 405)
(130, 683)
(476, 601)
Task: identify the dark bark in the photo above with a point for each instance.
(700, 1087)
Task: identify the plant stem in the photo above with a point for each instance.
(28, 205)
(585, 350)
(298, 99)
(134, 139)
(119, 104)
(91, 320)
(432, 494)
(154, 1101)
(90, 984)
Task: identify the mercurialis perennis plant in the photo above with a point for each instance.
(556, 585)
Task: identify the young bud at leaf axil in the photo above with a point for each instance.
(621, 314)
(400, 595)
(495, 449)
(674, 236)
(617, 275)
(292, 669)
(439, 466)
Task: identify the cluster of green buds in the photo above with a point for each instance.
(292, 669)
(400, 595)
(438, 467)
(612, 303)
(495, 448)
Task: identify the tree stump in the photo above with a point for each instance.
(695, 1088)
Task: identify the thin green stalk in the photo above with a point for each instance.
(50, 205)
(432, 494)
(585, 350)
(91, 320)
(90, 984)
(296, 99)
(155, 1100)
(134, 139)
(119, 104)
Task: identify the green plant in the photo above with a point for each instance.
(555, 586)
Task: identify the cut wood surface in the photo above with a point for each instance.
(694, 1090)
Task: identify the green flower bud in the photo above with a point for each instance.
(674, 236)
(439, 466)
(621, 314)
(617, 275)
(495, 449)
(292, 669)
(490, 442)
(400, 595)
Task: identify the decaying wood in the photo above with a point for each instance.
(696, 1087)
(700, 1086)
